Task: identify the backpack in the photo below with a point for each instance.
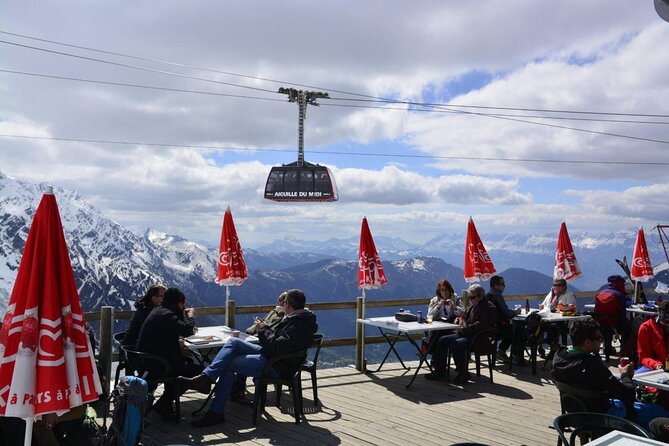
(127, 421)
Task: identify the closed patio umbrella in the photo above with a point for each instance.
(231, 268)
(46, 359)
(370, 270)
(566, 266)
(642, 270)
(478, 265)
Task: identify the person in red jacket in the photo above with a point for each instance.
(652, 340)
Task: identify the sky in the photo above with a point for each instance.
(520, 114)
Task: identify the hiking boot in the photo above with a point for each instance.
(240, 397)
(463, 378)
(435, 377)
(501, 356)
(209, 419)
(201, 383)
(165, 411)
(541, 352)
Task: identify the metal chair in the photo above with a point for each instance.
(122, 361)
(310, 365)
(155, 370)
(482, 343)
(294, 383)
(589, 425)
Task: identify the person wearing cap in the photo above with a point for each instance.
(610, 305)
(160, 336)
(652, 340)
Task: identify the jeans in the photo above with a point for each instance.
(236, 356)
(457, 345)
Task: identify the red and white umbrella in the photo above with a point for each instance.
(566, 266)
(46, 359)
(231, 266)
(642, 270)
(370, 270)
(478, 265)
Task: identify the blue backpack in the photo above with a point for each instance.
(127, 422)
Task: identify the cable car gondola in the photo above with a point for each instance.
(301, 180)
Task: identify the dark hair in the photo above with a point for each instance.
(296, 299)
(448, 285)
(663, 310)
(173, 296)
(146, 300)
(496, 280)
(581, 331)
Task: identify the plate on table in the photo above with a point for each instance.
(199, 340)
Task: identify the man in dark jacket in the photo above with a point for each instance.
(160, 335)
(581, 366)
(480, 315)
(504, 315)
(295, 332)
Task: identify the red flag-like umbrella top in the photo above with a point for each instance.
(478, 265)
(46, 360)
(642, 270)
(370, 271)
(231, 266)
(566, 266)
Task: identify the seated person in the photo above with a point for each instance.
(270, 321)
(443, 307)
(152, 298)
(52, 430)
(610, 305)
(294, 333)
(558, 295)
(480, 315)
(580, 366)
(652, 340)
(160, 336)
(504, 315)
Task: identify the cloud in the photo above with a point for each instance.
(634, 203)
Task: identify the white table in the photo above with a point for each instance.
(637, 310)
(219, 333)
(393, 330)
(617, 438)
(650, 379)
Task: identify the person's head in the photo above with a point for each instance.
(153, 296)
(559, 286)
(174, 299)
(616, 282)
(663, 316)
(281, 300)
(295, 300)
(444, 289)
(586, 335)
(497, 282)
(476, 294)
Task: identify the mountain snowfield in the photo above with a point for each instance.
(113, 265)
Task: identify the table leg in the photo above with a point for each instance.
(422, 360)
(391, 344)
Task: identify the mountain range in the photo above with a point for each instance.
(113, 265)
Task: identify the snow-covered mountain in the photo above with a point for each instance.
(113, 265)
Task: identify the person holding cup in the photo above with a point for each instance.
(443, 306)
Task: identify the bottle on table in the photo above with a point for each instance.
(419, 317)
(527, 306)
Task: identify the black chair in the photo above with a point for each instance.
(294, 383)
(482, 343)
(575, 399)
(589, 425)
(311, 364)
(161, 372)
(122, 361)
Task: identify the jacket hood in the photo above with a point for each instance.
(307, 317)
(568, 365)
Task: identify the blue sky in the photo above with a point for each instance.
(571, 56)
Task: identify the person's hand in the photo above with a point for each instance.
(541, 306)
(190, 312)
(449, 302)
(626, 370)
(259, 324)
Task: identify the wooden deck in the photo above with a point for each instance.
(377, 409)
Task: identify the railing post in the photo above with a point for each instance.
(105, 355)
(230, 314)
(360, 335)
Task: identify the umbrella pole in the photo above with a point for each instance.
(227, 306)
(29, 432)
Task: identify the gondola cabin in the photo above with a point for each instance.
(309, 182)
